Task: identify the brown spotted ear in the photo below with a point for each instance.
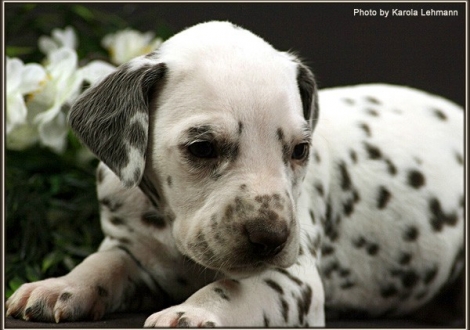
(112, 117)
(308, 93)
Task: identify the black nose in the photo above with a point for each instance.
(266, 240)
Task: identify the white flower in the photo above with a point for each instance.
(46, 110)
(60, 38)
(61, 90)
(20, 80)
(127, 44)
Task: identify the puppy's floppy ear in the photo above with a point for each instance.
(112, 117)
(308, 93)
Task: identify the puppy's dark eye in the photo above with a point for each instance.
(202, 149)
(300, 151)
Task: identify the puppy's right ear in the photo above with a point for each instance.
(112, 117)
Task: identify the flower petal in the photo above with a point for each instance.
(47, 44)
(53, 133)
(16, 111)
(66, 37)
(96, 70)
(31, 78)
(22, 137)
(13, 74)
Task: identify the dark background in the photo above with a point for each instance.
(342, 49)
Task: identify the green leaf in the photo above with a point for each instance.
(15, 283)
(16, 51)
(51, 259)
(83, 12)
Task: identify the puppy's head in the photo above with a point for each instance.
(215, 127)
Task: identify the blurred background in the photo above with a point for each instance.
(51, 209)
(342, 49)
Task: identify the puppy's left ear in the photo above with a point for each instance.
(308, 93)
(112, 117)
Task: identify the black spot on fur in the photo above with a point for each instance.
(383, 197)
(153, 219)
(344, 176)
(348, 101)
(240, 127)
(285, 310)
(102, 292)
(275, 286)
(353, 156)
(221, 293)
(440, 114)
(391, 167)
(356, 196)
(373, 151)
(111, 204)
(409, 279)
(312, 216)
(372, 249)
(327, 250)
(366, 129)
(304, 303)
(459, 158)
(329, 225)
(388, 291)
(359, 242)
(411, 234)
(266, 320)
(348, 207)
(100, 175)
(344, 272)
(430, 275)
(65, 296)
(348, 284)
(319, 188)
(372, 112)
(117, 221)
(289, 276)
(438, 217)
(416, 179)
(373, 100)
(169, 181)
(405, 258)
(316, 156)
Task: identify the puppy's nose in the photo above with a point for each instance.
(266, 240)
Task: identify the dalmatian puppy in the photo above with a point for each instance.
(228, 199)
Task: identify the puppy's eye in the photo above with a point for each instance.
(300, 151)
(202, 149)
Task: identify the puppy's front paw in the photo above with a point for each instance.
(183, 316)
(57, 299)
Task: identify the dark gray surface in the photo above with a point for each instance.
(127, 320)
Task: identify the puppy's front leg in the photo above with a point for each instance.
(100, 284)
(280, 297)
